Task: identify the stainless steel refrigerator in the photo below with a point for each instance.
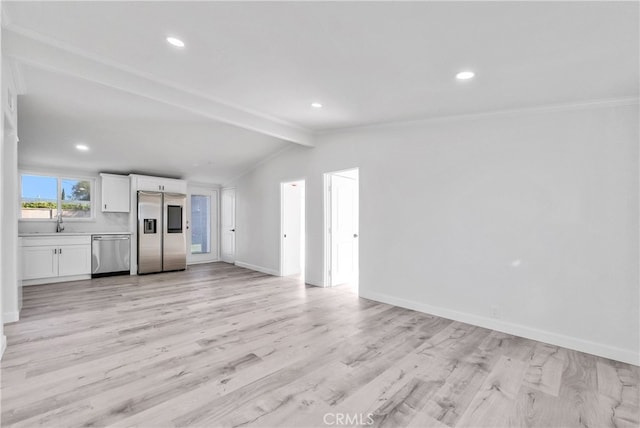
(162, 238)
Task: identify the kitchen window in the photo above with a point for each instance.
(43, 197)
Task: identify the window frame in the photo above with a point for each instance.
(59, 177)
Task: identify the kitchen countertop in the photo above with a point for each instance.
(39, 234)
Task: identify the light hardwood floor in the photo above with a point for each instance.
(219, 345)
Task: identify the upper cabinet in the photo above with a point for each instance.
(159, 184)
(115, 193)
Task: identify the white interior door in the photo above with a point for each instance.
(228, 225)
(343, 229)
(292, 228)
(203, 225)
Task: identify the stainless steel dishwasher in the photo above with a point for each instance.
(110, 255)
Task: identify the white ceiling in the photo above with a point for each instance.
(366, 62)
(127, 133)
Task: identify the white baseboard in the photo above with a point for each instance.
(28, 282)
(258, 268)
(201, 262)
(314, 283)
(3, 345)
(599, 349)
(10, 317)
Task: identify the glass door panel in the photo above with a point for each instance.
(200, 224)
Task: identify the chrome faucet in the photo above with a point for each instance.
(59, 225)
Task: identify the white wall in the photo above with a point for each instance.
(534, 213)
(3, 339)
(12, 292)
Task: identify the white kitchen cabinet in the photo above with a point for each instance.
(74, 260)
(115, 193)
(39, 262)
(174, 186)
(55, 258)
(159, 184)
(151, 184)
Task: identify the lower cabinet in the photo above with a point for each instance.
(39, 262)
(74, 260)
(53, 259)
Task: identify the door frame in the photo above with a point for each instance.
(327, 281)
(304, 222)
(233, 260)
(214, 193)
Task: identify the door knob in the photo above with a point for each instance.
(355, 235)
(233, 230)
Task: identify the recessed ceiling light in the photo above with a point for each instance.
(316, 105)
(175, 42)
(82, 147)
(465, 75)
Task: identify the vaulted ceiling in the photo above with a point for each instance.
(242, 86)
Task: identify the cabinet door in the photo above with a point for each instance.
(149, 184)
(39, 262)
(159, 184)
(74, 260)
(115, 193)
(174, 186)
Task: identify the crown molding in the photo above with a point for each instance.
(32, 48)
(550, 108)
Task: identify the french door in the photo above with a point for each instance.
(203, 225)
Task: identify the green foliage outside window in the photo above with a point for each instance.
(53, 205)
(81, 191)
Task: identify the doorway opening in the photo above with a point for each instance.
(292, 227)
(342, 208)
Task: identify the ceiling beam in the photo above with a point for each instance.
(35, 50)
